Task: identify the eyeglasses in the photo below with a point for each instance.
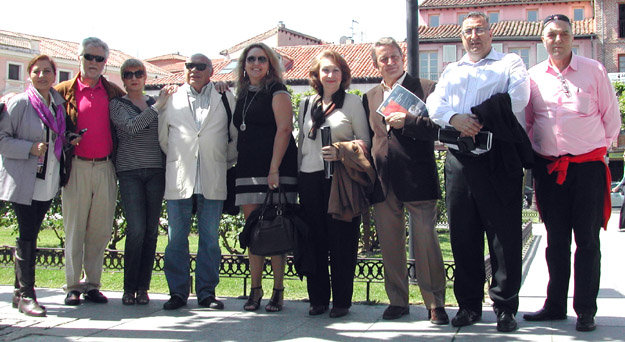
(565, 86)
(128, 74)
(469, 31)
(197, 66)
(253, 59)
(91, 57)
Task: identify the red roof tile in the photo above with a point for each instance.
(504, 29)
(60, 49)
(434, 4)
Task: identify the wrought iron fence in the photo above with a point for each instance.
(368, 270)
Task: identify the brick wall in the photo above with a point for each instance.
(610, 44)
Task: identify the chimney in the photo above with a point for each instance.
(34, 46)
(281, 24)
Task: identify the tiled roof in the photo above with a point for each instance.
(504, 29)
(60, 49)
(267, 34)
(433, 4)
(297, 58)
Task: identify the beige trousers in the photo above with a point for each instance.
(89, 200)
(429, 266)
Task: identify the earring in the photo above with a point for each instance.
(244, 73)
(267, 72)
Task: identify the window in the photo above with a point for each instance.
(493, 17)
(532, 15)
(449, 53)
(64, 75)
(461, 18)
(497, 47)
(433, 20)
(621, 63)
(574, 49)
(15, 71)
(578, 14)
(228, 68)
(541, 53)
(428, 65)
(524, 53)
(621, 20)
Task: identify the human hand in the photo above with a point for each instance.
(273, 179)
(38, 149)
(330, 153)
(396, 120)
(616, 189)
(164, 95)
(221, 87)
(467, 124)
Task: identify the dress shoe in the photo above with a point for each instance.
(72, 298)
(95, 296)
(142, 297)
(544, 314)
(174, 302)
(506, 322)
(394, 312)
(212, 303)
(30, 307)
(316, 310)
(438, 316)
(16, 298)
(338, 312)
(585, 322)
(465, 317)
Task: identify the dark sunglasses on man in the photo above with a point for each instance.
(137, 74)
(252, 59)
(197, 66)
(91, 57)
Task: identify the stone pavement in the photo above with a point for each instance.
(114, 322)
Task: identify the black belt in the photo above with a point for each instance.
(94, 159)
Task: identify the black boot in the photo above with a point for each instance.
(16, 291)
(25, 261)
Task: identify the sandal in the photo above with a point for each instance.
(128, 298)
(253, 301)
(142, 297)
(276, 301)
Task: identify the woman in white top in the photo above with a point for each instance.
(345, 116)
(32, 141)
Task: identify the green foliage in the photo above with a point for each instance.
(619, 87)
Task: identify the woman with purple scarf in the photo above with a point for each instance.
(32, 137)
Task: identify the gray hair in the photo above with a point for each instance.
(476, 14)
(95, 42)
(384, 41)
(209, 63)
(131, 63)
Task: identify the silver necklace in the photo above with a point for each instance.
(246, 106)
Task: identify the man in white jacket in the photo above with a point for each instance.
(193, 132)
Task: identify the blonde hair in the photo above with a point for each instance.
(274, 74)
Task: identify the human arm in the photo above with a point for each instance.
(608, 107)
(163, 130)
(12, 146)
(283, 114)
(518, 87)
(122, 118)
(232, 152)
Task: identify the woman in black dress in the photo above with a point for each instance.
(267, 152)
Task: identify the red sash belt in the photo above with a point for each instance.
(561, 164)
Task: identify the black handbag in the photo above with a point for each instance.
(272, 227)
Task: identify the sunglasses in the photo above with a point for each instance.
(128, 74)
(197, 66)
(260, 59)
(91, 57)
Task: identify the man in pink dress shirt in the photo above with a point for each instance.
(572, 118)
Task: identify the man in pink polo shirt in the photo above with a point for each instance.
(572, 118)
(90, 194)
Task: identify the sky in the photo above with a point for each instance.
(147, 29)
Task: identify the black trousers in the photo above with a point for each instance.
(29, 218)
(338, 239)
(474, 207)
(575, 206)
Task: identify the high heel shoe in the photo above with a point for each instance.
(276, 301)
(253, 301)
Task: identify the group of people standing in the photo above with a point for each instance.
(86, 132)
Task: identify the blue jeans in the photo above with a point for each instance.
(177, 258)
(142, 198)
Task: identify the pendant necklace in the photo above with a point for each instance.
(246, 106)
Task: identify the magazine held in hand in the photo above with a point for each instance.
(402, 100)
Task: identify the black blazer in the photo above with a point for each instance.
(404, 158)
